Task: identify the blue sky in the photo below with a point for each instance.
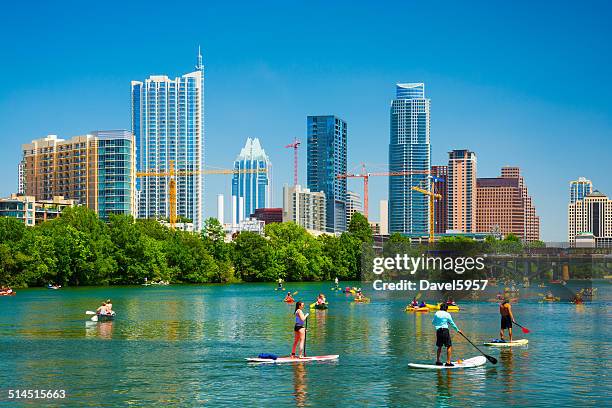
(519, 83)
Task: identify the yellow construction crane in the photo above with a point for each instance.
(432, 197)
(172, 174)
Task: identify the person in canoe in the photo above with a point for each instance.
(507, 318)
(441, 321)
(109, 306)
(299, 330)
(103, 310)
(289, 298)
(321, 299)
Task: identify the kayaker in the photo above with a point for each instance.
(359, 296)
(441, 321)
(414, 302)
(507, 318)
(422, 304)
(289, 298)
(103, 310)
(299, 330)
(321, 299)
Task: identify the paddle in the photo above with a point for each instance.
(305, 334)
(525, 330)
(493, 360)
(89, 312)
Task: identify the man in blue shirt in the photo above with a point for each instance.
(441, 321)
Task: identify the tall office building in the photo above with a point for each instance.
(503, 205)
(353, 205)
(440, 186)
(168, 124)
(461, 191)
(580, 188)
(409, 151)
(96, 170)
(250, 188)
(326, 159)
(304, 207)
(592, 215)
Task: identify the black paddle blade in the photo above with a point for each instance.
(492, 359)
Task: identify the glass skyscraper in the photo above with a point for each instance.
(409, 150)
(168, 124)
(250, 191)
(579, 189)
(326, 159)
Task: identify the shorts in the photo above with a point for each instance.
(443, 338)
(506, 322)
(297, 328)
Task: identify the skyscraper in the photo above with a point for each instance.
(503, 205)
(441, 205)
(409, 151)
(304, 207)
(461, 191)
(593, 215)
(96, 170)
(252, 188)
(579, 189)
(326, 159)
(168, 123)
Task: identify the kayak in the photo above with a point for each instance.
(417, 309)
(553, 299)
(451, 308)
(503, 343)
(469, 363)
(364, 300)
(281, 360)
(289, 301)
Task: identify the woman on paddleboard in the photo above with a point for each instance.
(441, 321)
(299, 330)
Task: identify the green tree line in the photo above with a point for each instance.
(80, 249)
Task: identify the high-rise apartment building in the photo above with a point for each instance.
(461, 191)
(579, 189)
(440, 186)
(353, 205)
(31, 211)
(168, 124)
(503, 205)
(593, 215)
(304, 207)
(326, 159)
(251, 188)
(383, 214)
(96, 170)
(409, 151)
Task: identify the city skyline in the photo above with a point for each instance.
(526, 117)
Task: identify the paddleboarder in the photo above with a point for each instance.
(507, 318)
(441, 321)
(280, 283)
(299, 330)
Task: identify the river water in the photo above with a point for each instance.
(186, 345)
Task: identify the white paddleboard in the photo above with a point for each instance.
(520, 342)
(469, 363)
(281, 360)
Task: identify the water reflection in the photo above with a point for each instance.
(299, 384)
(103, 330)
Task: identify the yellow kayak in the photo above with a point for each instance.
(451, 308)
(416, 309)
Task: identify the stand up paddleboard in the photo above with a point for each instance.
(469, 363)
(500, 343)
(281, 360)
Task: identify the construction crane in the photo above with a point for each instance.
(365, 175)
(432, 197)
(296, 143)
(172, 174)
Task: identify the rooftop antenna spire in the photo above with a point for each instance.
(199, 67)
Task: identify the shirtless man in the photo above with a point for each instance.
(505, 310)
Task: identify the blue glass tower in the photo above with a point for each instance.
(250, 191)
(326, 159)
(168, 124)
(409, 151)
(579, 189)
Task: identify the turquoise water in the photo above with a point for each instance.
(186, 345)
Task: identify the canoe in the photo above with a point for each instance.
(106, 317)
(469, 363)
(321, 307)
(451, 308)
(281, 360)
(416, 309)
(500, 343)
(13, 293)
